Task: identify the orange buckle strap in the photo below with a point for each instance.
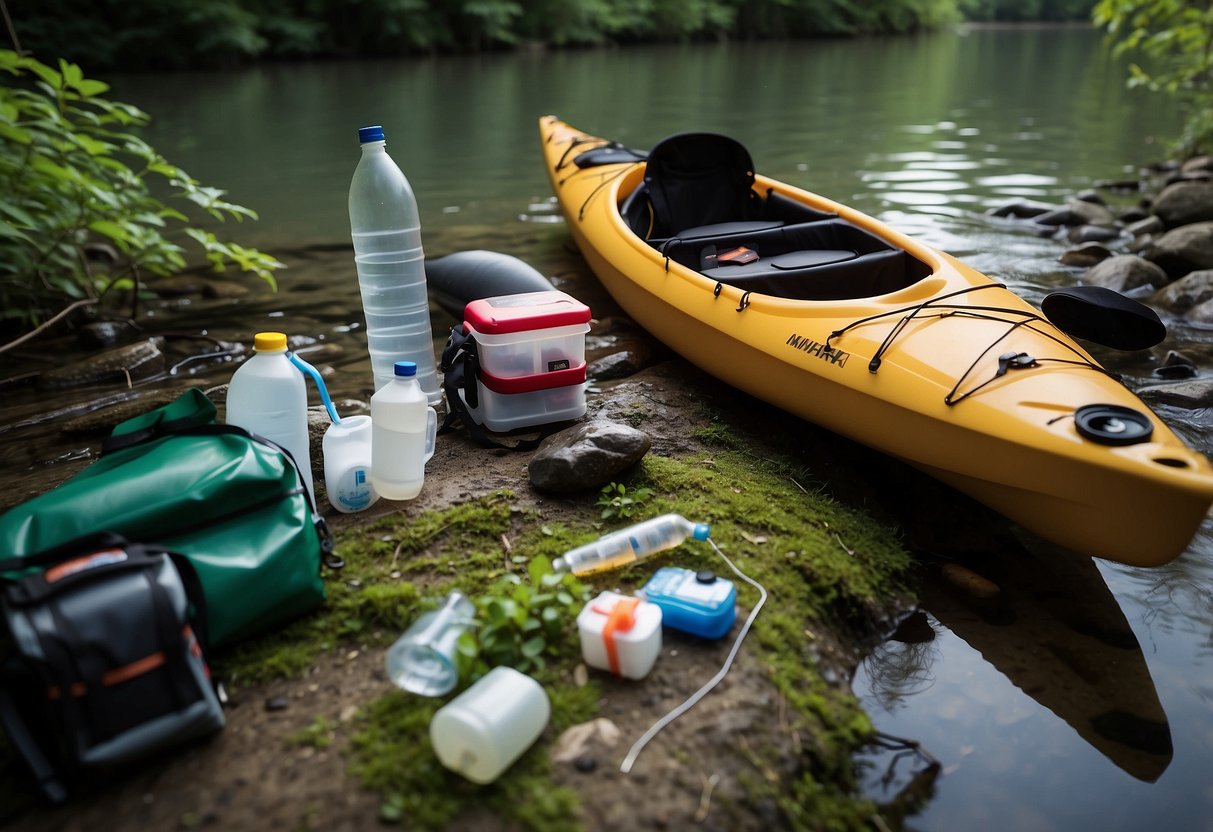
(621, 618)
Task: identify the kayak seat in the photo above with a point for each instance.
(692, 180)
(823, 260)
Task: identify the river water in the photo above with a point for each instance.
(1082, 695)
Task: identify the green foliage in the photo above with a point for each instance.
(522, 624)
(1026, 10)
(1176, 37)
(617, 502)
(174, 34)
(76, 174)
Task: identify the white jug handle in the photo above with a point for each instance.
(431, 432)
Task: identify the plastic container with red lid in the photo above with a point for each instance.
(528, 333)
(531, 352)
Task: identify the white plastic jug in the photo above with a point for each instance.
(403, 429)
(267, 396)
(483, 730)
(347, 464)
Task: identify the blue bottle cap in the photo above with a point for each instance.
(702, 530)
(405, 369)
(370, 134)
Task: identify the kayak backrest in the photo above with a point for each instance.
(696, 179)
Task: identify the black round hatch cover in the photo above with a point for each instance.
(1111, 424)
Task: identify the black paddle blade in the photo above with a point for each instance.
(1105, 317)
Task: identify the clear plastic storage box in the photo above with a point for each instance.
(531, 349)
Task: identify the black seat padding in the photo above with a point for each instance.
(696, 179)
(792, 261)
(823, 260)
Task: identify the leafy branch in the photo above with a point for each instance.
(75, 182)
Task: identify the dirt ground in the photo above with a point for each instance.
(250, 777)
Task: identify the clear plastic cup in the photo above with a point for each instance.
(422, 661)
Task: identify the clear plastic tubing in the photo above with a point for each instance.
(386, 230)
(267, 396)
(629, 544)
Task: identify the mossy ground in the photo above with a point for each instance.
(828, 571)
(832, 574)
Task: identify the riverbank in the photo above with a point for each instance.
(317, 737)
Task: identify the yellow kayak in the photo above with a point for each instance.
(839, 319)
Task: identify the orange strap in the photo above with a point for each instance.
(621, 618)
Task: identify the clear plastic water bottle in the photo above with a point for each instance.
(422, 661)
(403, 428)
(268, 396)
(386, 230)
(629, 544)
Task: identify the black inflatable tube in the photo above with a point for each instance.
(455, 279)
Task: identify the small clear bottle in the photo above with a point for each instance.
(630, 544)
(403, 428)
(267, 396)
(422, 661)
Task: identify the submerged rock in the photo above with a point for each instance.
(134, 362)
(586, 457)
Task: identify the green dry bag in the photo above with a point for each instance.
(231, 502)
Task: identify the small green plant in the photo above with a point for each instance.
(616, 500)
(76, 179)
(521, 623)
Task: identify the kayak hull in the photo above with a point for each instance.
(923, 386)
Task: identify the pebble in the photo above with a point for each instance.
(277, 703)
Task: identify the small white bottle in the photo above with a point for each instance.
(386, 231)
(347, 464)
(267, 396)
(403, 428)
(483, 730)
(630, 544)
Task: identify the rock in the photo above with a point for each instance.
(1193, 394)
(1090, 195)
(102, 334)
(1176, 366)
(1093, 234)
(1189, 291)
(1085, 256)
(1185, 202)
(969, 581)
(1184, 249)
(277, 703)
(134, 362)
(1125, 272)
(1202, 313)
(1021, 209)
(1151, 224)
(102, 422)
(1077, 212)
(224, 289)
(619, 365)
(586, 456)
(1197, 166)
(177, 286)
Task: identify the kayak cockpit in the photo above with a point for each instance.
(698, 206)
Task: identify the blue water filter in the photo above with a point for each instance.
(700, 603)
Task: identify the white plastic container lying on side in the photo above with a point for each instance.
(480, 732)
(620, 634)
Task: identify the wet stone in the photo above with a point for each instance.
(586, 457)
(277, 703)
(102, 334)
(134, 362)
